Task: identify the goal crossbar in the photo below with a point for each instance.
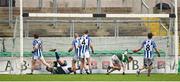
(69, 15)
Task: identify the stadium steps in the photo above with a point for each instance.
(123, 10)
(105, 29)
(4, 11)
(5, 30)
(130, 29)
(48, 28)
(63, 29)
(155, 27)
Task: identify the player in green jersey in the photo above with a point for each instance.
(119, 61)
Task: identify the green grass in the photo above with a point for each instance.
(93, 77)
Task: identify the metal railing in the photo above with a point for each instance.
(143, 3)
(10, 13)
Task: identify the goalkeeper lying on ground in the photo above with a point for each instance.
(59, 66)
(119, 61)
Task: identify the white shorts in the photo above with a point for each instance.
(115, 60)
(37, 57)
(85, 55)
(76, 58)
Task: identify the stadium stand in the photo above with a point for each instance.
(47, 27)
(63, 29)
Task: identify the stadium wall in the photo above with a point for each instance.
(93, 3)
(99, 65)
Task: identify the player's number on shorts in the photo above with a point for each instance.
(147, 47)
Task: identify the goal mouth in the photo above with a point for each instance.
(111, 34)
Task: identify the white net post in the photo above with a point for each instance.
(176, 37)
(21, 33)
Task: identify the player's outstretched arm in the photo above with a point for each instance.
(142, 45)
(138, 49)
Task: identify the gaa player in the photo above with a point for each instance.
(37, 53)
(119, 61)
(60, 66)
(77, 49)
(85, 44)
(149, 46)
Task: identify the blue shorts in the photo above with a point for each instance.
(148, 62)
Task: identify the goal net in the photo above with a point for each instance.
(112, 36)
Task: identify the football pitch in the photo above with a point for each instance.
(92, 77)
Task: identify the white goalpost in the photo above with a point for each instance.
(176, 35)
(173, 20)
(21, 33)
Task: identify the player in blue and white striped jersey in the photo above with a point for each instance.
(77, 49)
(85, 45)
(37, 52)
(149, 46)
